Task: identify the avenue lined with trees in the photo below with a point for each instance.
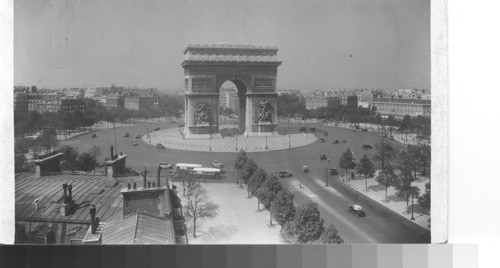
(302, 224)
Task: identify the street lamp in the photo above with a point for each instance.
(326, 178)
(236, 142)
(266, 143)
(210, 149)
(289, 143)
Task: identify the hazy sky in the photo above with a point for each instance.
(322, 43)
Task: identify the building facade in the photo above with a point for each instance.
(402, 107)
(55, 104)
(149, 103)
(115, 101)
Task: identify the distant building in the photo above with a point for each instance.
(54, 104)
(289, 91)
(150, 103)
(401, 107)
(228, 98)
(115, 101)
(365, 98)
(21, 102)
(76, 93)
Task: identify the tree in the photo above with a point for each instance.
(288, 233)
(346, 161)
(240, 161)
(425, 200)
(406, 126)
(199, 207)
(383, 152)
(330, 236)
(282, 207)
(69, 160)
(403, 186)
(86, 162)
(21, 148)
(268, 192)
(256, 180)
(246, 172)
(387, 178)
(307, 223)
(366, 168)
(48, 139)
(95, 151)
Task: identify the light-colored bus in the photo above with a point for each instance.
(185, 167)
(206, 173)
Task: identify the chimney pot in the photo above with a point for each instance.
(144, 178)
(65, 186)
(154, 184)
(92, 219)
(112, 152)
(135, 186)
(70, 192)
(128, 186)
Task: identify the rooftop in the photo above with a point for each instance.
(104, 193)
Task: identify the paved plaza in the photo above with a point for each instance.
(172, 138)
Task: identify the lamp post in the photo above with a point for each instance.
(289, 143)
(236, 142)
(210, 148)
(116, 150)
(266, 143)
(326, 178)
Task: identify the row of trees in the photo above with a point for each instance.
(302, 224)
(417, 157)
(34, 122)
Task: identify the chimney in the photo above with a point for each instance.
(144, 178)
(94, 233)
(68, 204)
(48, 164)
(116, 165)
(149, 184)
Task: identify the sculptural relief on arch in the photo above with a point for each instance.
(253, 69)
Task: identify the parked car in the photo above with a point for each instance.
(166, 165)
(160, 146)
(156, 129)
(134, 143)
(305, 168)
(126, 135)
(335, 141)
(333, 172)
(284, 174)
(138, 136)
(313, 129)
(356, 210)
(321, 139)
(93, 136)
(391, 137)
(322, 157)
(364, 129)
(367, 147)
(217, 164)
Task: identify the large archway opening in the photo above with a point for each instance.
(232, 107)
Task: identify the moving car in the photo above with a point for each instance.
(284, 174)
(156, 129)
(138, 136)
(321, 139)
(160, 146)
(322, 157)
(335, 141)
(325, 133)
(166, 165)
(134, 143)
(305, 168)
(364, 130)
(126, 135)
(391, 137)
(356, 210)
(333, 172)
(217, 164)
(93, 136)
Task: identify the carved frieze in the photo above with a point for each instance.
(223, 78)
(263, 84)
(202, 85)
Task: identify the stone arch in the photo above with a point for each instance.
(253, 69)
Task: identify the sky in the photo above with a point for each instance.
(323, 44)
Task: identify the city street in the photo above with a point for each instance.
(379, 226)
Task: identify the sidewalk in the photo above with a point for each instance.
(237, 220)
(376, 192)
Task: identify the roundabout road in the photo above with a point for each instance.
(379, 226)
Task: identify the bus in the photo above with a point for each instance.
(206, 173)
(185, 167)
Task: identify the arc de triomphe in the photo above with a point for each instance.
(253, 69)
